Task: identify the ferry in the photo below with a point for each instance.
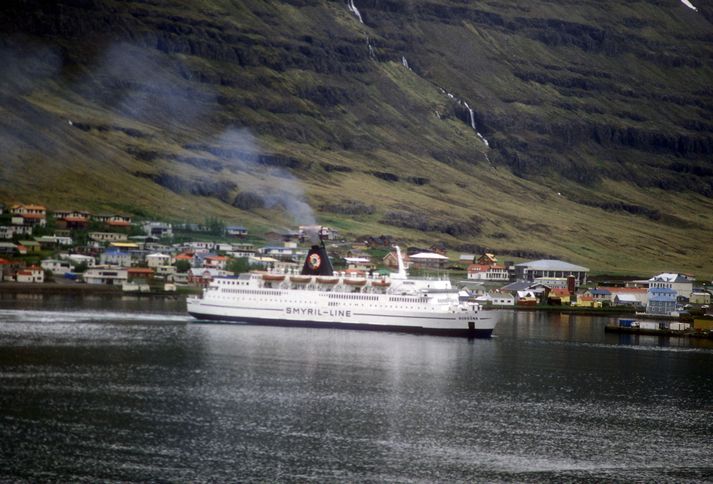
(320, 297)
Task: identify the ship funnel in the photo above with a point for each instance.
(317, 262)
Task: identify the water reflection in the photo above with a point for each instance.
(102, 389)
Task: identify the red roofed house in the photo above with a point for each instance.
(119, 221)
(490, 272)
(216, 262)
(558, 295)
(139, 273)
(30, 215)
(32, 274)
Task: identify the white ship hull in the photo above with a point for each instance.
(301, 308)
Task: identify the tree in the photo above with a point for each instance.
(215, 226)
(238, 266)
(183, 266)
(81, 267)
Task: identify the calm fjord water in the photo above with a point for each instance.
(111, 389)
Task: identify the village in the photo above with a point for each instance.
(75, 248)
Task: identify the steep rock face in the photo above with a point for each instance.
(425, 104)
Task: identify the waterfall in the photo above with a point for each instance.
(472, 117)
(405, 63)
(352, 8)
(372, 52)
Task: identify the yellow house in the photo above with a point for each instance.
(587, 302)
(32, 246)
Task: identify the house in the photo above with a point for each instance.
(553, 282)
(119, 221)
(626, 299)
(72, 219)
(134, 273)
(186, 256)
(466, 258)
(115, 257)
(529, 271)
(6, 232)
(32, 246)
(29, 215)
(107, 236)
(32, 274)
(157, 260)
(7, 270)
(526, 298)
(56, 266)
(201, 245)
(8, 248)
(108, 275)
(76, 259)
(559, 296)
(51, 241)
(700, 298)
(487, 259)
(287, 252)
(681, 283)
(158, 229)
(600, 295)
(392, 261)
(487, 272)
(216, 261)
(428, 260)
(165, 272)
(359, 263)
(236, 231)
(585, 301)
(242, 250)
(662, 300)
(628, 296)
(497, 298)
(203, 276)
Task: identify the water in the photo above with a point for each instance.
(116, 390)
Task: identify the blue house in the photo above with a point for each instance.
(662, 300)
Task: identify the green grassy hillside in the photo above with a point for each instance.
(590, 138)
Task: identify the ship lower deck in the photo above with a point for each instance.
(469, 330)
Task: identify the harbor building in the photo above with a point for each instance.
(529, 271)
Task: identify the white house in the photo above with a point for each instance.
(106, 275)
(529, 271)
(158, 229)
(157, 260)
(428, 259)
(115, 257)
(107, 236)
(681, 283)
(482, 272)
(165, 272)
(76, 259)
(497, 298)
(56, 266)
(32, 274)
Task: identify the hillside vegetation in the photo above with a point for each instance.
(590, 136)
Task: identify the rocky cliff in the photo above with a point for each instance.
(517, 127)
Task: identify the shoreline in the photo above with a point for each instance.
(54, 288)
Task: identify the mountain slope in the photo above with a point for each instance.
(590, 136)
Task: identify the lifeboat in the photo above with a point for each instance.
(381, 283)
(327, 280)
(300, 279)
(273, 277)
(355, 282)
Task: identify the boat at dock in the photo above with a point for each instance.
(321, 297)
(657, 328)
